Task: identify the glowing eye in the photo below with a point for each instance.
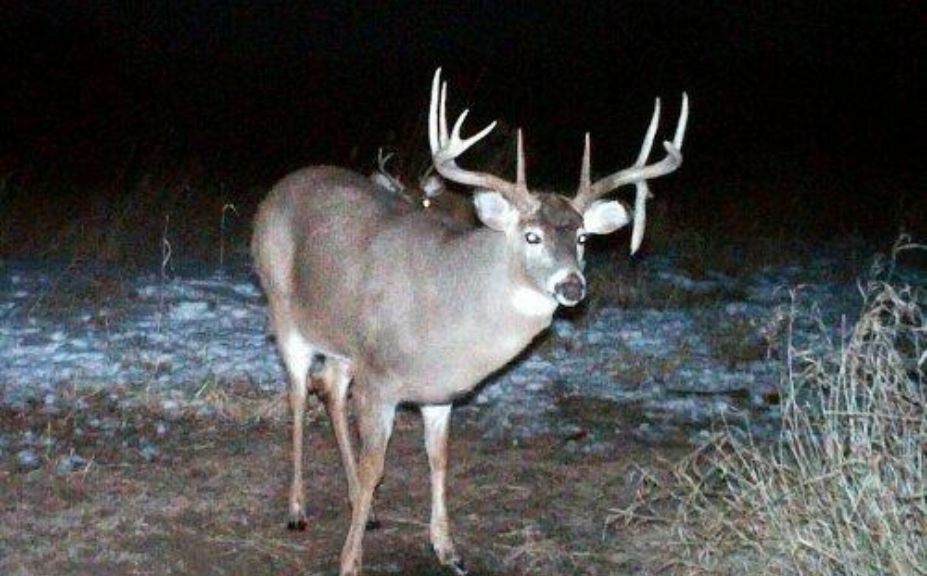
(581, 239)
(532, 238)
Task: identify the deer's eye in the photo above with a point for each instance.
(532, 238)
(581, 239)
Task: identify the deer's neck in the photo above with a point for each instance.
(465, 317)
(494, 282)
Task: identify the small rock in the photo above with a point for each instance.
(26, 460)
(70, 463)
(161, 428)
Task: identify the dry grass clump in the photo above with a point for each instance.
(844, 490)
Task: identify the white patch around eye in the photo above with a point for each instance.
(530, 302)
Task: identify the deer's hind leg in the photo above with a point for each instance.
(375, 416)
(297, 355)
(334, 379)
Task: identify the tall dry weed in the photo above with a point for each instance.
(844, 489)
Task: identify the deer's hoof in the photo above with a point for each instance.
(373, 524)
(451, 561)
(297, 523)
(457, 567)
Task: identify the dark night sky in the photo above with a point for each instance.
(778, 88)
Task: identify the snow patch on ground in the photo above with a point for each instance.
(167, 335)
(171, 336)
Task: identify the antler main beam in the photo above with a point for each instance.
(638, 173)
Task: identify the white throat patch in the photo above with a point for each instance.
(530, 302)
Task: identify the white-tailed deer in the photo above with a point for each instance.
(367, 290)
(431, 194)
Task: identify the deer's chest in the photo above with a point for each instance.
(453, 363)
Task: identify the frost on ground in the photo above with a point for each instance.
(676, 368)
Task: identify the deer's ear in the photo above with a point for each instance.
(494, 210)
(605, 216)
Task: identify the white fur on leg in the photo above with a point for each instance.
(436, 420)
(297, 355)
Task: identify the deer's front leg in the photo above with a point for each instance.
(375, 424)
(436, 420)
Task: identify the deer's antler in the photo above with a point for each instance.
(445, 148)
(638, 174)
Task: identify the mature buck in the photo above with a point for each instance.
(365, 290)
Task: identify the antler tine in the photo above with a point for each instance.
(433, 136)
(642, 189)
(520, 180)
(461, 145)
(681, 124)
(640, 214)
(383, 159)
(446, 148)
(442, 127)
(649, 136)
(584, 175)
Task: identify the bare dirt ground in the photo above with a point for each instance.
(211, 499)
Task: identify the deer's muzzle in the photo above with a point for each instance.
(570, 290)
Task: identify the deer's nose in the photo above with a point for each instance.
(570, 290)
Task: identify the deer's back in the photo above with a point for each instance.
(321, 235)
